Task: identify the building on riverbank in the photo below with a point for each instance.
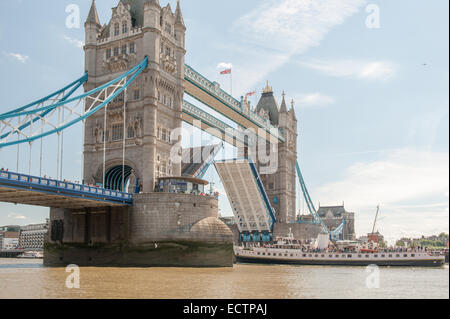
(32, 236)
(9, 240)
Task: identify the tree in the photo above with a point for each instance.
(400, 243)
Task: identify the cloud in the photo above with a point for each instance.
(367, 70)
(313, 99)
(287, 26)
(75, 42)
(297, 24)
(410, 186)
(16, 216)
(223, 65)
(19, 57)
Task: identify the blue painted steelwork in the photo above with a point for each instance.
(266, 237)
(133, 73)
(74, 86)
(263, 193)
(201, 173)
(256, 237)
(317, 220)
(213, 89)
(309, 202)
(81, 80)
(245, 237)
(335, 233)
(67, 189)
(114, 177)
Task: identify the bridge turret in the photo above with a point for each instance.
(283, 108)
(180, 27)
(152, 14)
(92, 29)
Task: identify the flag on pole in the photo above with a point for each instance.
(250, 93)
(227, 71)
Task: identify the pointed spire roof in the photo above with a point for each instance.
(93, 15)
(269, 105)
(178, 15)
(283, 108)
(292, 111)
(155, 3)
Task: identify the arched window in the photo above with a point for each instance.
(116, 29)
(137, 94)
(124, 27)
(131, 132)
(132, 48)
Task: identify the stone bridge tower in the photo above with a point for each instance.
(153, 103)
(281, 185)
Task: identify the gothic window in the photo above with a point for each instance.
(136, 95)
(117, 132)
(132, 48)
(105, 137)
(164, 135)
(116, 51)
(168, 28)
(116, 29)
(118, 98)
(131, 132)
(108, 53)
(124, 49)
(164, 168)
(168, 138)
(124, 27)
(159, 96)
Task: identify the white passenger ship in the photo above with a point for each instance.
(289, 251)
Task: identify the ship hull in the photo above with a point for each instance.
(399, 263)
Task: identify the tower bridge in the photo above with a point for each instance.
(134, 87)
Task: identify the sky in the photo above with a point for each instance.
(369, 79)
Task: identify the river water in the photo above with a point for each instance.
(30, 279)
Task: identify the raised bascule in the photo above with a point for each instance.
(141, 208)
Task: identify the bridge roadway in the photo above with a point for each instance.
(30, 190)
(210, 94)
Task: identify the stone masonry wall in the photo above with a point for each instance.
(161, 216)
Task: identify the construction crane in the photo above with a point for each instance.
(375, 221)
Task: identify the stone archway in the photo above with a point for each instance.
(119, 177)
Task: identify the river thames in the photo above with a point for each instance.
(29, 279)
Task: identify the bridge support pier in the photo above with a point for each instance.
(161, 229)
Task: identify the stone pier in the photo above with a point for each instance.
(161, 229)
